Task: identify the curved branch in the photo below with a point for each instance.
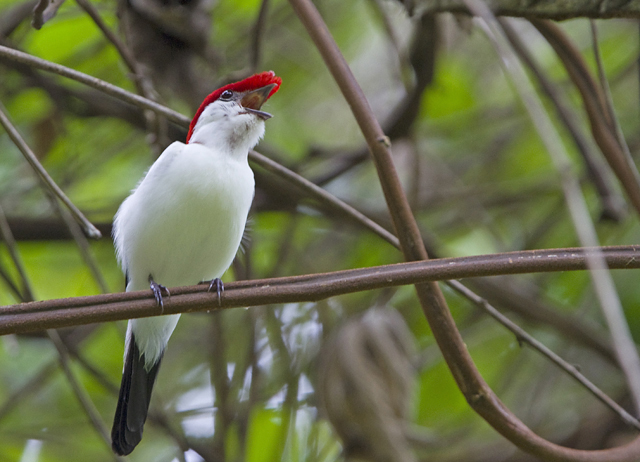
(596, 109)
(469, 380)
(613, 206)
(523, 337)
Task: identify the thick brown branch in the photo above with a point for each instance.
(75, 311)
(469, 380)
(548, 9)
(524, 337)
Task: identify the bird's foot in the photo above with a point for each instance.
(157, 290)
(219, 286)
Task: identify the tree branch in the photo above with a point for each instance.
(613, 206)
(11, 130)
(75, 311)
(602, 281)
(549, 9)
(93, 82)
(596, 108)
(523, 337)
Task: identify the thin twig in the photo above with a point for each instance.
(602, 76)
(82, 244)
(608, 98)
(11, 130)
(31, 387)
(155, 125)
(246, 405)
(220, 381)
(4, 275)
(404, 68)
(99, 376)
(523, 336)
(12, 246)
(522, 301)
(603, 284)
(122, 50)
(256, 36)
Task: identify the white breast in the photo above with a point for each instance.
(185, 220)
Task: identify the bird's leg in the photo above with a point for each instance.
(219, 286)
(157, 290)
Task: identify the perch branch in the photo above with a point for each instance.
(75, 311)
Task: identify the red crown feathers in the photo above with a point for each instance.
(250, 83)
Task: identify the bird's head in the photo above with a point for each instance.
(231, 115)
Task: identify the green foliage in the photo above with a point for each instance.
(475, 170)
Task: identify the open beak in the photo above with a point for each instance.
(253, 100)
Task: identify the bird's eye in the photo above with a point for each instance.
(226, 95)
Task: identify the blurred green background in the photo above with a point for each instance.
(475, 172)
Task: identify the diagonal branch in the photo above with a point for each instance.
(524, 337)
(596, 108)
(602, 281)
(11, 130)
(155, 125)
(12, 247)
(322, 195)
(612, 204)
(478, 393)
(82, 243)
(93, 82)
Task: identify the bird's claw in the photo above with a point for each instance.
(219, 286)
(157, 290)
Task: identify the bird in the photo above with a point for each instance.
(183, 224)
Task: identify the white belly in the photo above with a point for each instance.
(186, 219)
(182, 225)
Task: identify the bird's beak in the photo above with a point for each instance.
(253, 100)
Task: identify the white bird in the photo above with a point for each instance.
(182, 225)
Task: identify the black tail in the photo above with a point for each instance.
(133, 402)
